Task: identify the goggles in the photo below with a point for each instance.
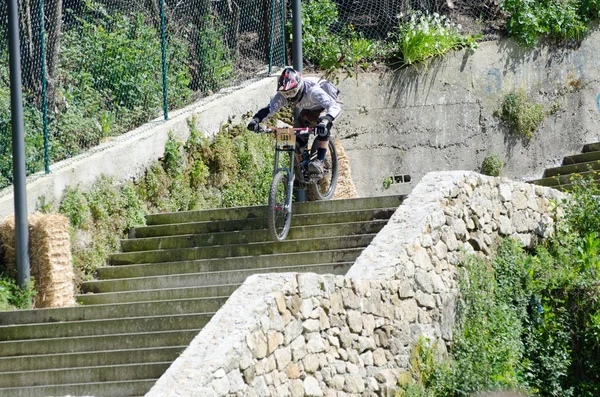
(290, 94)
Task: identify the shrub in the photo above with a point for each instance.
(419, 37)
(522, 116)
(110, 71)
(215, 62)
(330, 46)
(13, 297)
(526, 320)
(561, 19)
(492, 165)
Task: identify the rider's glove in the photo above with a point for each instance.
(253, 125)
(324, 126)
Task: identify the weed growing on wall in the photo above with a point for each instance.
(559, 19)
(234, 170)
(526, 320)
(492, 165)
(420, 36)
(521, 115)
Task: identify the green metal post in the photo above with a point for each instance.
(164, 59)
(44, 84)
(271, 36)
(283, 32)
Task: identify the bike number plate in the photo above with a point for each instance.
(286, 140)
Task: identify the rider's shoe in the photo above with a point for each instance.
(316, 168)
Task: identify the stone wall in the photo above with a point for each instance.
(312, 335)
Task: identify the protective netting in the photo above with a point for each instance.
(104, 60)
(377, 18)
(103, 73)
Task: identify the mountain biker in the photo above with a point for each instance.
(318, 101)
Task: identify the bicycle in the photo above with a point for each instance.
(279, 213)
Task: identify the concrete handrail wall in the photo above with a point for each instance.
(129, 155)
(313, 335)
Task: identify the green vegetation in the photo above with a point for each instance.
(522, 116)
(492, 165)
(215, 63)
(527, 321)
(13, 297)
(234, 170)
(107, 83)
(558, 19)
(422, 36)
(332, 47)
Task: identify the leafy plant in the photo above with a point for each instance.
(13, 297)
(215, 62)
(420, 36)
(492, 165)
(526, 320)
(560, 19)
(522, 116)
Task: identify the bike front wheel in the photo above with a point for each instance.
(279, 215)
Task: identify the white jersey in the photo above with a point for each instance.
(319, 94)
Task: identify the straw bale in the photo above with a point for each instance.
(345, 185)
(50, 257)
(7, 245)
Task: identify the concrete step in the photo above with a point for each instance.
(582, 158)
(207, 278)
(556, 181)
(261, 211)
(61, 345)
(251, 249)
(104, 389)
(89, 359)
(249, 236)
(164, 294)
(224, 264)
(103, 327)
(84, 374)
(114, 311)
(572, 169)
(260, 223)
(591, 147)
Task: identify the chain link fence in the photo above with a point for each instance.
(105, 64)
(93, 70)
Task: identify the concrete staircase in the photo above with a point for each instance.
(155, 296)
(586, 164)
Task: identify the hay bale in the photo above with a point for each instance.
(50, 257)
(345, 185)
(7, 245)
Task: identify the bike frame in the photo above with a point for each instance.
(291, 152)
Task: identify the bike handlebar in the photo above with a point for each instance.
(298, 131)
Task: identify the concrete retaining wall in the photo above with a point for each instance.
(415, 121)
(314, 335)
(128, 156)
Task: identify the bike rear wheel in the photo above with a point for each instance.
(279, 215)
(324, 188)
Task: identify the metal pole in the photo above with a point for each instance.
(44, 84)
(164, 59)
(272, 33)
(297, 35)
(18, 146)
(283, 32)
